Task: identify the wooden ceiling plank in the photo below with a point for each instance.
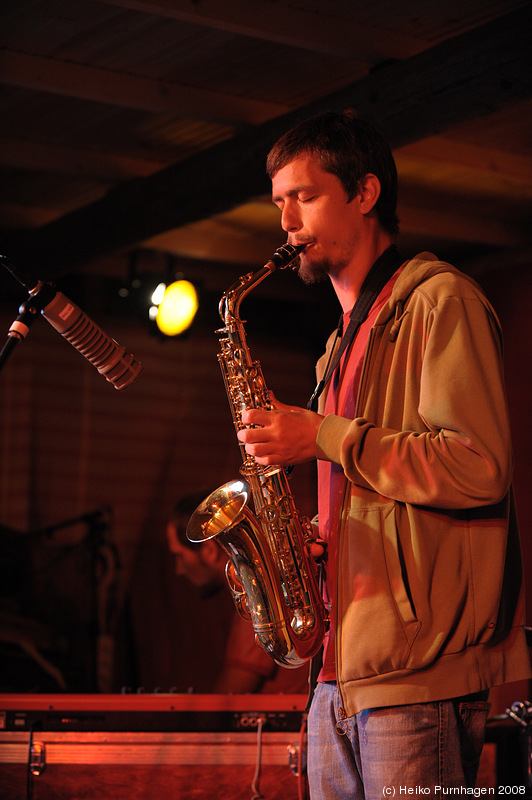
(467, 77)
(130, 91)
(282, 24)
(474, 157)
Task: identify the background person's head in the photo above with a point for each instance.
(202, 564)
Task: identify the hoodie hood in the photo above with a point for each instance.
(415, 272)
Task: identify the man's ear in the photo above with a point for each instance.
(369, 193)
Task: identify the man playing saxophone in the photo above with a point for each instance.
(412, 441)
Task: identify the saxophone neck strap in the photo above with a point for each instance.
(376, 279)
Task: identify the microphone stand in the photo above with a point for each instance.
(28, 312)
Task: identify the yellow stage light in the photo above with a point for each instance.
(177, 308)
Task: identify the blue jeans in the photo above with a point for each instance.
(385, 752)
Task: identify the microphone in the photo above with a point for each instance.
(110, 359)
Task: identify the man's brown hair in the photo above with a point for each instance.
(349, 148)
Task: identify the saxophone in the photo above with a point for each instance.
(269, 571)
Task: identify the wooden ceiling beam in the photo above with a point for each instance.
(131, 91)
(467, 77)
(444, 222)
(38, 157)
(320, 33)
(17, 216)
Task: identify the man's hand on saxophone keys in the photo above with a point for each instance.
(286, 435)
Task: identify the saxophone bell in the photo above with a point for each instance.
(216, 515)
(221, 509)
(252, 574)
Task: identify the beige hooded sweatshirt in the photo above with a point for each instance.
(430, 589)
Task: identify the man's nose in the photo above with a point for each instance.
(290, 218)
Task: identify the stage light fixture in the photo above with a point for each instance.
(159, 292)
(174, 306)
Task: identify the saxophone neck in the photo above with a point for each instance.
(283, 257)
(229, 307)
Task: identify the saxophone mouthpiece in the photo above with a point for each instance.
(299, 247)
(284, 255)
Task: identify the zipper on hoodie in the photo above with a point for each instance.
(342, 716)
(399, 315)
(341, 725)
(364, 372)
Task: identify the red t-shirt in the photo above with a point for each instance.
(341, 399)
